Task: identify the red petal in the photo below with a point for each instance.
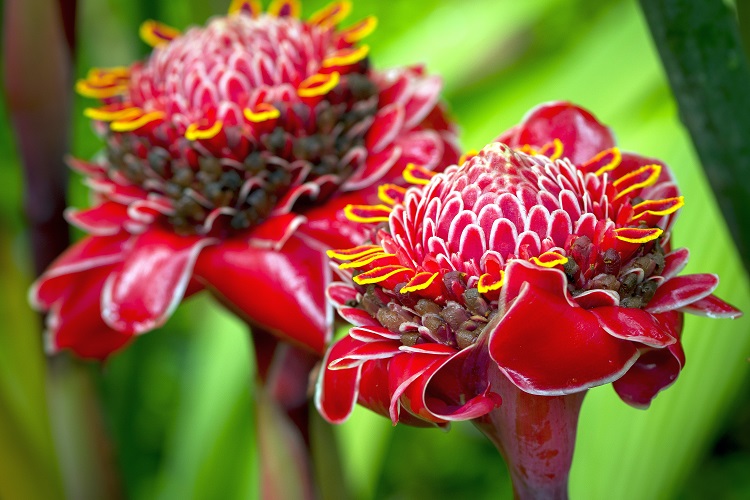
(75, 322)
(440, 392)
(282, 291)
(634, 325)
(151, 281)
(103, 220)
(388, 123)
(712, 307)
(682, 291)
(336, 390)
(582, 135)
(548, 347)
(87, 254)
(423, 148)
(674, 262)
(655, 370)
(424, 97)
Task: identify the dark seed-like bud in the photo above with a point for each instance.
(370, 301)
(183, 177)
(467, 334)
(391, 318)
(210, 167)
(240, 221)
(604, 282)
(409, 338)
(632, 302)
(425, 306)
(475, 303)
(628, 284)
(647, 263)
(454, 315)
(276, 140)
(254, 163)
(231, 179)
(611, 260)
(433, 322)
(647, 290)
(571, 269)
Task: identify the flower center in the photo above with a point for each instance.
(244, 119)
(438, 266)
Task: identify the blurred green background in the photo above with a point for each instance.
(174, 412)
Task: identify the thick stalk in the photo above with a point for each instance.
(536, 436)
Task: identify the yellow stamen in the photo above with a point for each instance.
(318, 84)
(331, 14)
(368, 259)
(419, 286)
(155, 33)
(467, 156)
(372, 276)
(130, 125)
(557, 259)
(612, 164)
(360, 30)
(354, 253)
(84, 88)
(650, 180)
(349, 212)
(278, 6)
(677, 203)
(647, 234)
(383, 193)
(557, 149)
(105, 115)
(408, 174)
(264, 112)
(482, 287)
(237, 6)
(194, 131)
(348, 58)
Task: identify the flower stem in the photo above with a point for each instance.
(536, 436)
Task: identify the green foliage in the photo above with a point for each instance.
(178, 404)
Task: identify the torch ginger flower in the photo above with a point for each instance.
(504, 288)
(229, 152)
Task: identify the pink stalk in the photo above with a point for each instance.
(536, 436)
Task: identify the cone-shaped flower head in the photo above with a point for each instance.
(546, 256)
(229, 152)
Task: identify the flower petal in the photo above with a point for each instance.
(151, 281)
(712, 307)
(438, 394)
(336, 391)
(87, 254)
(548, 347)
(283, 291)
(75, 321)
(582, 135)
(106, 219)
(655, 370)
(682, 291)
(633, 324)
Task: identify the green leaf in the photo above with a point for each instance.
(701, 49)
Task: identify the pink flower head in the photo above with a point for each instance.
(547, 254)
(229, 152)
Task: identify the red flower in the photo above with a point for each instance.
(507, 286)
(229, 152)
(550, 263)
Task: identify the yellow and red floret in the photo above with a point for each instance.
(547, 254)
(229, 153)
